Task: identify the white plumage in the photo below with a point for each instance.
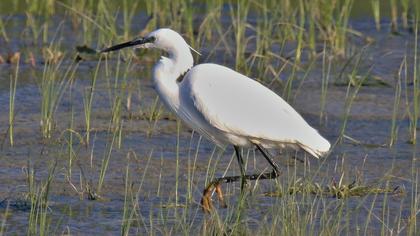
(238, 110)
(226, 107)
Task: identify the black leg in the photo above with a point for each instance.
(270, 160)
(215, 184)
(238, 152)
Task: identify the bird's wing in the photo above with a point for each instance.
(239, 105)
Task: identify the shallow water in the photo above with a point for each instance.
(150, 150)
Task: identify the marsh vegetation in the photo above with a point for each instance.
(87, 147)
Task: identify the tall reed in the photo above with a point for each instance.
(52, 86)
(414, 112)
(376, 9)
(405, 6)
(239, 18)
(88, 100)
(326, 72)
(38, 194)
(105, 161)
(394, 15)
(351, 93)
(12, 98)
(3, 31)
(397, 100)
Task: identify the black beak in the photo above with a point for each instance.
(134, 42)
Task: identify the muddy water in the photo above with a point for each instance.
(150, 149)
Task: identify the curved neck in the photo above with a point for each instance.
(165, 74)
(182, 60)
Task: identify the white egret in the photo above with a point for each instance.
(226, 107)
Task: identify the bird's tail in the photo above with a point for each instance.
(315, 144)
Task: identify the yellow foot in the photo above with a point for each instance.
(206, 202)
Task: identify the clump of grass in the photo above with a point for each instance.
(38, 16)
(105, 16)
(334, 189)
(68, 136)
(263, 41)
(153, 115)
(239, 17)
(188, 14)
(52, 86)
(210, 26)
(129, 10)
(332, 18)
(38, 222)
(131, 210)
(97, 19)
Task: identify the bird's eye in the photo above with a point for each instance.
(151, 39)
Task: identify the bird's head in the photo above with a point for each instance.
(165, 39)
(168, 41)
